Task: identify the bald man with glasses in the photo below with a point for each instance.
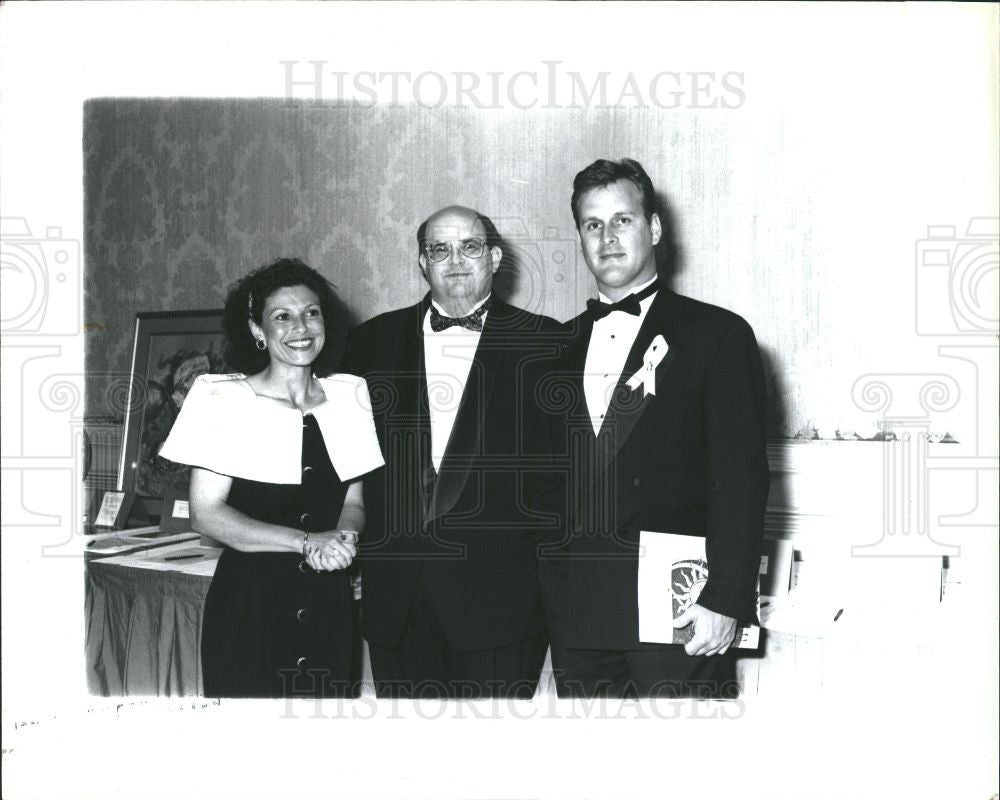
(451, 603)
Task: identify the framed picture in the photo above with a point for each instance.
(171, 349)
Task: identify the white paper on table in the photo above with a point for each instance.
(157, 559)
(122, 541)
(110, 506)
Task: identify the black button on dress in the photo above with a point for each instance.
(270, 627)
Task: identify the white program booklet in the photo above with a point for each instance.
(672, 572)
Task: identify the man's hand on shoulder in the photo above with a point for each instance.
(713, 632)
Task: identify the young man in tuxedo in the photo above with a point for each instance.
(667, 433)
(451, 605)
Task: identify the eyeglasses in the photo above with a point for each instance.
(439, 251)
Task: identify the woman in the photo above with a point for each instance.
(277, 452)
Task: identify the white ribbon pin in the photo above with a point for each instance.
(647, 374)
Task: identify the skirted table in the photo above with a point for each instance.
(144, 600)
(143, 618)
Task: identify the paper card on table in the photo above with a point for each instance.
(111, 508)
(175, 515)
(673, 570)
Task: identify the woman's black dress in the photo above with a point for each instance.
(274, 627)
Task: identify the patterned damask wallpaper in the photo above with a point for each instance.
(184, 196)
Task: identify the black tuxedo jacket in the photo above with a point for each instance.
(470, 528)
(689, 459)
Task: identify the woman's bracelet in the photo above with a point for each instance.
(305, 541)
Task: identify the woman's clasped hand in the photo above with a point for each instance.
(331, 550)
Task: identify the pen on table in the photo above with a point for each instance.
(837, 615)
(181, 558)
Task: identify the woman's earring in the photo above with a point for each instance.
(261, 345)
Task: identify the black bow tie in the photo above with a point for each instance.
(629, 304)
(472, 322)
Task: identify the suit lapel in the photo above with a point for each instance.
(575, 361)
(465, 443)
(628, 405)
(410, 381)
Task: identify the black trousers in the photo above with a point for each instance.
(665, 671)
(425, 665)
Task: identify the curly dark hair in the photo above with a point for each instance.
(603, 173)
(245, 301)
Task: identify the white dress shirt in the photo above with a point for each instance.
(448, 357)
(610, 343)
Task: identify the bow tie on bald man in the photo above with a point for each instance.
(471, 322)
(629, 304)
